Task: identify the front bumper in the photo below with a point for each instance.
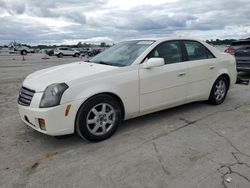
(56, 123)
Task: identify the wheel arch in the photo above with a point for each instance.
(225, 75)
(23, 52)
(115, 96)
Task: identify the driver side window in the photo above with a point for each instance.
(169, 51)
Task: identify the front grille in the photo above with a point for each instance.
(25, 96)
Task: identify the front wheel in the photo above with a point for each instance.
(98, 118)
(23, 52)
(219, 91)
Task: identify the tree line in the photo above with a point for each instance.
(223, 42)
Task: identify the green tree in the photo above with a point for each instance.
(79, 44)
(103, 44)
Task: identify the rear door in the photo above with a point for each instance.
(67, 51)
(201, 69)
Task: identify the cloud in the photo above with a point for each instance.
(13, 7)
(60, 21)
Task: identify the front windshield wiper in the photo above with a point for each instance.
(98, 62)
(104, 63)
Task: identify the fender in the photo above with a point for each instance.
(125, 86)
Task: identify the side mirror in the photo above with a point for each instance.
(153, 62)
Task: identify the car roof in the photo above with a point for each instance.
(241, 42)
(160, 39)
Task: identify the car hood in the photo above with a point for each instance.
(39, 80)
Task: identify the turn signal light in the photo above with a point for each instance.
(67, 110)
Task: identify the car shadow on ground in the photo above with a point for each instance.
(127, 127)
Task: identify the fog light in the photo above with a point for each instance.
(42, 124)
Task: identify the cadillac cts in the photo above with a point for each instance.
(130, 79)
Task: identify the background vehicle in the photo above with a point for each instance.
(65, 51)
(49, 52)
(90, 51)
(18, 47)
(130, 79)
(241, 50)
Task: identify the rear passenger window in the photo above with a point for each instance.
(170, 51)
(196, 51)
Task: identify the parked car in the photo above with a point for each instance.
(95, 52)
(65, 51)
(130, 79)
(15, 47)
(90, 51)
(49, 52)
(82, 50)
(241, 50)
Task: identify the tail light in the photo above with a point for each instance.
(230, 51)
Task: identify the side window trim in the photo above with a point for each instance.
(184, 51)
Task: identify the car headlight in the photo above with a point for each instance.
(52, 95)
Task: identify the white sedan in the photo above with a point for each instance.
(130, 79)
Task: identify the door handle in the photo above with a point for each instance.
(182, 74)
(211, 67)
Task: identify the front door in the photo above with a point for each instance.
(164, 86)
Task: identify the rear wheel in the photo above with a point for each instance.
(60, 55)
(98, 118)
(76, 55)
(219, 91)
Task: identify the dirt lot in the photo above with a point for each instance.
(194, 145)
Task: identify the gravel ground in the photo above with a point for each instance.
(194, 145)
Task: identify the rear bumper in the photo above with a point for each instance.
(243, 69)
(56, 122)
(243, 66)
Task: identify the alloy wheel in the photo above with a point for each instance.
(220, 90)
(100, 119)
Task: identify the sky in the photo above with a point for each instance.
(111, 21)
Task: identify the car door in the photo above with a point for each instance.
(71, 51)
(67, 51)
(163, 86)
(63, 51)
(201, 68)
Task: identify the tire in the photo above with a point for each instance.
(219, 91)
(60, 55)
(96, 124)
(23, 52)
(76, 55)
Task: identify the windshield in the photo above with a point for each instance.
(122, 54)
